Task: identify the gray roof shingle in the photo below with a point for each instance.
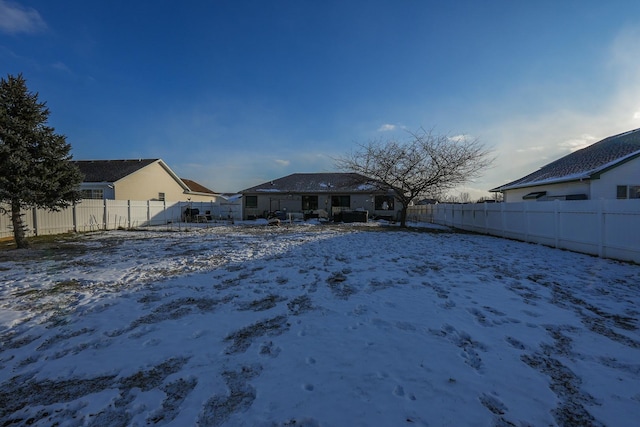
(330, 182)
(110, 170)
(586, 163)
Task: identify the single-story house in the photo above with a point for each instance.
(319, 194)
(608, 169)
(143, 179)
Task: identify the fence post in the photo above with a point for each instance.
(503, 220)
(486, 218)
(105, 215)
(34, 215)
(556, 219)
(128, 214)
(74, 217)
(453, 216)
(525, 215)
(601, 227)
(164, 212)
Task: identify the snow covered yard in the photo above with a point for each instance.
(315, 326)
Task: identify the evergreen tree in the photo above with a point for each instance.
(35, 167)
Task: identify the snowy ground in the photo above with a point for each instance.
(312, 325)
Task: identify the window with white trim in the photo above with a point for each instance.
(628, 192)
(95, 194)
(251, 202)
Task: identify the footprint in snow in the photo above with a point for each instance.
(269, 349)
(463, 341)
(398, 391)
(493, 404)
(515, 343)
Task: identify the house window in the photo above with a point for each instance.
(94, 194)
(309, 203)
(250, 201)
(161, 197)
(383, 203)
(341, 201)
(536, 195)
(628, 192)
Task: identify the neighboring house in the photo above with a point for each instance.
(318, 194)
(608, 169)
(199, 190)
(144, 179)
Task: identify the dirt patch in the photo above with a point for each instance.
(300, 305)
(23, 391)
(218, 409)
(176, 392)
(173, 310)
(338, 286)
(262, 304)
(243, 338)
(566, 385)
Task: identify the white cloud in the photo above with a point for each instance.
(387, 128)
(578, 143)
(530, 149)
(15, 19)
(282, 162)
(460, 138)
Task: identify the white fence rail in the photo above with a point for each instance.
(90, 215)
(606, 228)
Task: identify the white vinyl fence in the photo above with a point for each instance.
(91, 215)
(606, 228)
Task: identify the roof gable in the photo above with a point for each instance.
(586, 163)
(330, 182)
(110, 170)
(195, 187)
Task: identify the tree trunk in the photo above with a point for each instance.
(403, 215)
(18, 226)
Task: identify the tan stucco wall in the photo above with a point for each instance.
(148, 182)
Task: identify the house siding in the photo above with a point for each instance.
(292, 203)
(553, 190)
(143, 179)
(147, 183)
(625, 174)
(594, 171)
(293, 193)
(604, 187)
(108, 190)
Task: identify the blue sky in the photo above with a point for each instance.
(235, 93)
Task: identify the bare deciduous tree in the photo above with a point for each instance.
(464, 197)
(424, 165)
